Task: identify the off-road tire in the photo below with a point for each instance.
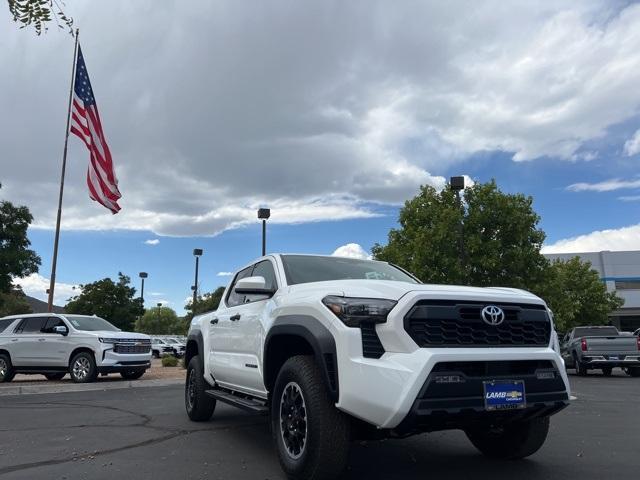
(512, 442)
(82, 368)
(327, 430)
(199, 405)
(133, 374)
(55, 376)
(7, 367)
(607, 371)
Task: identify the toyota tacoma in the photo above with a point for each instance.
(336, 349)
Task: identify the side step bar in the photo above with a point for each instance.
(249, 404)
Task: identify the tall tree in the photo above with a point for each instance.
(16, 259)
(113, 301)
(160, 321)
(576, 294)
(205, 303)
(500, 232)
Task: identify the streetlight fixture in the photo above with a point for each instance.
(197, 252)
(457, 185)
(142, 276)
(264, 214)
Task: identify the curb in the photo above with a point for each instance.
(87, 387)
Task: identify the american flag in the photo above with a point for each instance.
(85, 123)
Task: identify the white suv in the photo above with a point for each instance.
(335, 349)
(83, 346)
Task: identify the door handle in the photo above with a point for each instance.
(213, 321)
(235, 318)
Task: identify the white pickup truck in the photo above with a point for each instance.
(335, 349)
(83, 346)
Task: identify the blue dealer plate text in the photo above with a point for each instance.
(504, 395)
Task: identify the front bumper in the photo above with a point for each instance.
(112, 362)
(124, 366)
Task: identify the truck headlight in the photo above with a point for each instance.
(108, 340)
(354, 311)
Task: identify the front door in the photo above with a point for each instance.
(56, 349)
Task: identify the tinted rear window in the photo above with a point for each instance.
(596, 332)
(5, 323)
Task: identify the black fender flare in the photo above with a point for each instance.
(315, 334)
(195, 336)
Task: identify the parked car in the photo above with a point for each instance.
(82, 346)
(601, 347)
(337, 348)
(160, 347)
(177, 346)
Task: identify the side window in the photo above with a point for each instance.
(265, 269)
(51, 323)
(5, 323)
(31, 325)
(233, 298)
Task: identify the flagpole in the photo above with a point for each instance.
(54, 261)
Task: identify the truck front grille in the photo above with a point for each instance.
(132, 346)
(459, 324)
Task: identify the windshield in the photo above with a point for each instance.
(308, 268)
(91, 324)
(595, 332)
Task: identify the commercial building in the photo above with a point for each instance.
(621, 272)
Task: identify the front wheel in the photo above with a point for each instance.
(312, 437)
(199, 405)
(132, 374)
(6, 369)
(82, 368)
(514, 441)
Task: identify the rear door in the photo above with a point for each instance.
(28, 343)
(221, 332)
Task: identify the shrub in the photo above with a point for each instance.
(169, 361)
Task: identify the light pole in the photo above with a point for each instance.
(457, 185)
(196, 253)
(264, 214)
(142, 276)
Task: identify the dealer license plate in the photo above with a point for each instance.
(504, 395)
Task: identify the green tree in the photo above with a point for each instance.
(204, 303)
(16, 259)
(576, 294)
(160, 321)
(113, 301)
(502, 240)
(13, 303)
(39, 13)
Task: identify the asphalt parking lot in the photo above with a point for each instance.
(143, 433)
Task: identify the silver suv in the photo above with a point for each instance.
(81, 345)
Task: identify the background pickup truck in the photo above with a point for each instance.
(601, 347)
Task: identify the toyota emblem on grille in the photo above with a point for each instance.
(492, 315)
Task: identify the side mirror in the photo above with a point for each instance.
(61, 330)
(253, 286)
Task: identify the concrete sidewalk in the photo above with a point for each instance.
(43, 387)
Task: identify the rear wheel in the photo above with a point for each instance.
(581, 368)
(82, 368)
(606, 371)
(199, 405)
(6, 369)
(514, 441)
(132, 374)
(633, 372)
(55, 376)
(312, 437)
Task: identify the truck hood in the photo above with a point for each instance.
(111, 334)
(396, 290)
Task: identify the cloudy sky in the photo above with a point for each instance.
(331, 113)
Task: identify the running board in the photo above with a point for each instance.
(249, 404)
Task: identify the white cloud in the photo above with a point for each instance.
(626, 238)
(632, 146)
(224, 274)
(605, 186)
(357, 111)
(630, 198)
(156, 294)
(351, 250)
(35, 285)
(154, 241)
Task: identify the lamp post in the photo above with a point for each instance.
(457, 185)
(196, 253)
(142, 276)
(264, 214)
